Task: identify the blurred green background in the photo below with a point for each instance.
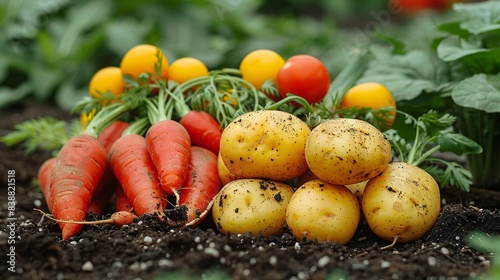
(50, 49)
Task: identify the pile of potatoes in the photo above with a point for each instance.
(279, 173)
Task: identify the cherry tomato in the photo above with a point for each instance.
(142, 59)
(371, 95)
(305, 76)
(106, 79)
(187, 68)
(261, 65)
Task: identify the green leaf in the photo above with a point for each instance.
(406, 76)
(458, 144)
(122, 34)
(480, 92)
(453, 48)
(454, 28)
(480, 17)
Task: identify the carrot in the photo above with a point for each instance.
(122, 203)
(44, 179)
(131, 163)
(111, 133)
(169, 144)
(202, 184)
(75, 175)
(99, 199)
(203, 130)
(118, 219)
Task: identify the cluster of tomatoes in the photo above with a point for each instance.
(302, 75)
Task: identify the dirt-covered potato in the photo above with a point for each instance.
(323, 211)
(347, 151)
(403, 202)
(252, 205)
(265, 144)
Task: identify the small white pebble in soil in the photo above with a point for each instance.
(212, 252)
(395, 276)
(261, 248)
(139, 223)
(323, 261)
(432, 261)
(366, 262)
(253, 261)
(272, 244)
(197, 239)
(37, 203)
(227, 248)
(73, 242)
(222, 260)
(302, 275)
(199, 247)
(211, 245)
(165, 263)
(117, 265)
(246, 272)
(148, 239)
(457, 238)
(297, 246)
(445, 251)
(158, 240)
(273, 260)
(88, 266)
(385, 264)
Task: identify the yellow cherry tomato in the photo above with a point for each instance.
(187, 68)
(371, 95)
(261, 65)
(106, 79)
(143, 59)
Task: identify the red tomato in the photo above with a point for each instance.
(305, 76)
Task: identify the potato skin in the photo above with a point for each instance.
(323, 211)
(403, 201)
(252, 205)
(347, 151)
(266, 144)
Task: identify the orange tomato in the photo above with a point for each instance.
(143, 59)
(371, 95)
(261, 65)
(108, 79)
(187, 68)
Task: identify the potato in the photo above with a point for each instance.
(265, 144)
(323, 211)
(347, 151)
(252, 205)
(224, 174)
(403, 202)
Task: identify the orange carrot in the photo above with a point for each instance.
(201, 185)
(44, 179)
(169, 144)
(122, 203)
(132, 166)
(75, 175)
(111, 133)
(203, 130)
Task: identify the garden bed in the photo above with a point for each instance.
(147, 250)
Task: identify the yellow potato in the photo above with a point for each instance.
(224, 174)
(252, 205)
(265, 144)
(404, 202)
(347, 151)
(323, 211)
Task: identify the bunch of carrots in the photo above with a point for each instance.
(142, 145)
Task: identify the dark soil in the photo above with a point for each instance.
(146, 250)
